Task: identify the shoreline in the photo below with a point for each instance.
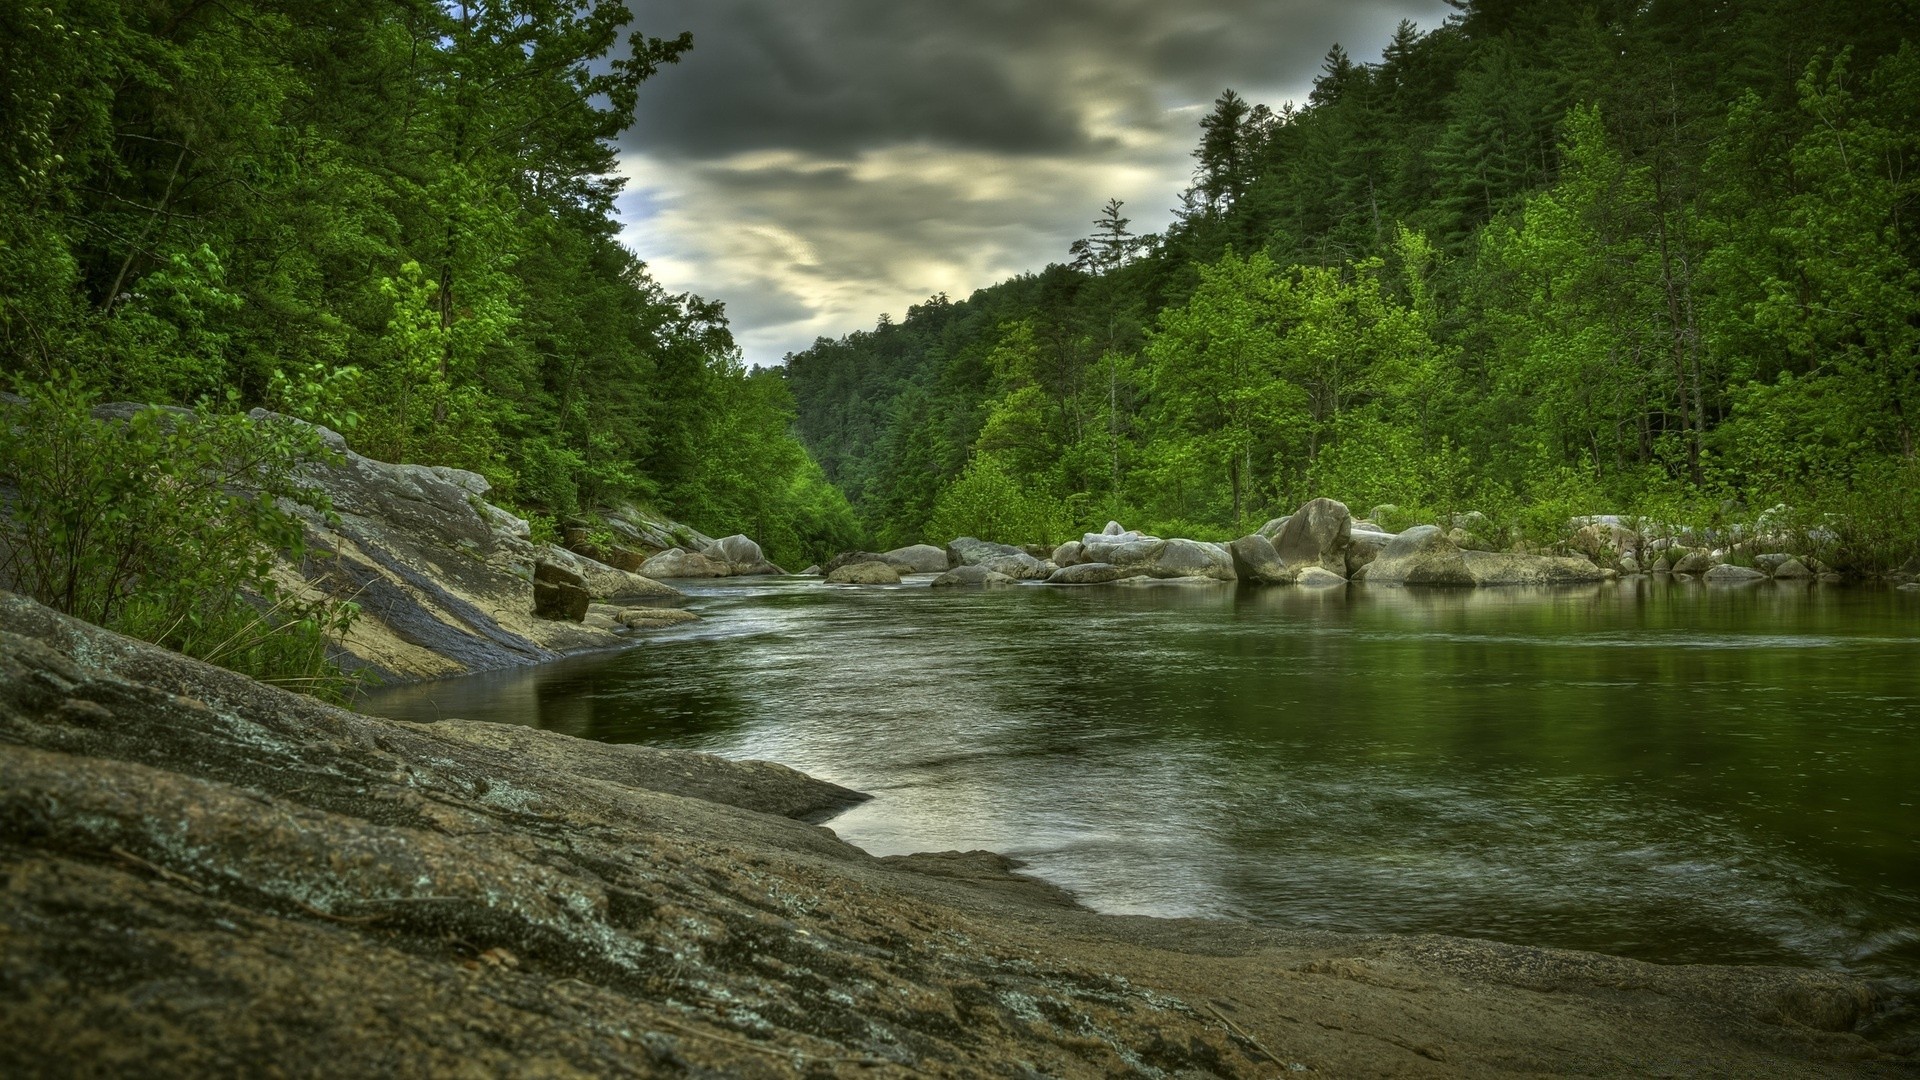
(203, 871)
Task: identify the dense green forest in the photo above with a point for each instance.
(1546, 259)
(394, 217)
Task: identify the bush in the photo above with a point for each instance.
(165, 525)
(986, 502)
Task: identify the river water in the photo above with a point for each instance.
(1670, 771)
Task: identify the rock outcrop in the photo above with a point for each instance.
(999, 558)
(1093, 573)
(444, 579)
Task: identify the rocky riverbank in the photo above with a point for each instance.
(199, 874)
(1323, 544)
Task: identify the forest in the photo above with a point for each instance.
(392, 217)
(1544, 260)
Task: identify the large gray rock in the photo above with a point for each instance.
(1019, 565)
(848, 558)
(1113, 528)
(1364, 546)
(1729, 574)
(1125, 549)
(1071, 553)
(1192, 559)
(1093, 573)
(1274, 527)
(741, 556)
(1255, 560)
(864, 573)
(679, 563)
(972, 551)
(1771, 563)
(971, 575)
(1318, 577)
(917, 559)
(1424, 556)
(1317, 534)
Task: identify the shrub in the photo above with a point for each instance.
(165, 525)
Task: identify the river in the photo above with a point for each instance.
(1663, 770)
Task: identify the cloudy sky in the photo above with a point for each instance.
(814, 163)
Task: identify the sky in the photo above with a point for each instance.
(816, 163)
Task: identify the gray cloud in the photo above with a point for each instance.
(816, 162)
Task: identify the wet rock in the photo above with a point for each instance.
(740, 554)
(1729, 574)
(1318, 577)
(972, 551)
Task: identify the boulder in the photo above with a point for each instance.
(848, 558)
(864, 573)
(1019, 565)
(1317, 534)
(1071, 553)
(1364, 546)
(1424, 556)
(554, 574)
(739, 554)
(1770, 564)
(1911, 586)
(972, 551)
(1629, 564)
(1255, 560)
(1318, 577)
(680, 563)
(1693, 562)
(1093, 573)
(604, 582)
(1274, 527)
(1127, 549)
(1792, 570)
(560, 601)
(1192, 558)
(917, 559)
(1729, 574)
(971, 575)
(1113, 528)
(813, 571)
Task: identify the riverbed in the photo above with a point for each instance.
(1663, 770)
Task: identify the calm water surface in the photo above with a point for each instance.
(1674, 772)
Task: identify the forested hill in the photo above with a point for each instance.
(391, 216)
(1545, 259)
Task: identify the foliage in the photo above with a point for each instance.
(166, 525)
(988, 503)
(1541, 261)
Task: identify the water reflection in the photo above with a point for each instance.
(1659, 769)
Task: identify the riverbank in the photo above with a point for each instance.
(204, 872)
